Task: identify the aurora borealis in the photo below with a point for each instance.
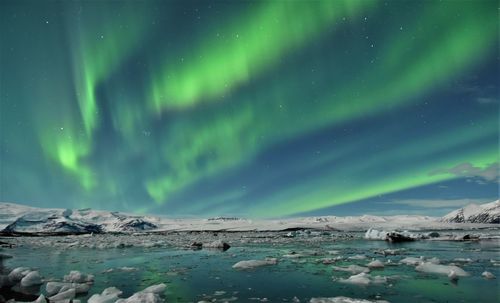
(248, 108)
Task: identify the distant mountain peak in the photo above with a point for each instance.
(475, 213)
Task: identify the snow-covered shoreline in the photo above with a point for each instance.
(24, 220)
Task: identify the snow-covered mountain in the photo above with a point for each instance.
(20, 219)
(474, 213)
(15, 218)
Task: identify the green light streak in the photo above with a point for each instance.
(252, 44)
(229, 139)
(99, 50)
(317, 197)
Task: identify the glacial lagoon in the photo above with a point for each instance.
(304, 268)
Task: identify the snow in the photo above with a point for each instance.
(25, 219)
(429, 267)
(474, 213)
(249, 264)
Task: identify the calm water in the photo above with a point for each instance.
(196, 275)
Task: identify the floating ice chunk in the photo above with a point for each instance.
(378, 280)
(123, 269)
(155, 289)
(412, 261)
(219, 244)
(364, 279)
(32, 278)
(293, 255)
(330, 260)
(441, 269)
(109, 295)
(142, 297)
(128, 269)
(65, 295)
(57, 287)
(400, 237)
(249, 264)
(357, 257)
(112, 290)
(359, 279)
(354, 269)
(488, 275)
(75, 276)
(343, 300)
(453, 275)
(463, 260)
(373, 234)
(376, 264)
(232, 299)
(18, 273)
(391, 252)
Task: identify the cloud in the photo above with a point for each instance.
(438, 203)
(486, 100)
(484, 94)
(489, 173)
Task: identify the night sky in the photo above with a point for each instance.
(249, 108)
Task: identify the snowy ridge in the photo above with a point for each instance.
(473, 213)
(20, 219)
(15, 218)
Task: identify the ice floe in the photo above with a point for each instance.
(64, 295)
(343, 300)
(53, 288)
(432, 268)
(109, 295)
(353, 269)
(77, 277)
(375, 264)
(488, 275)
(32, 278)
(249, 264)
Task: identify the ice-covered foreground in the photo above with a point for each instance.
(19, 219)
